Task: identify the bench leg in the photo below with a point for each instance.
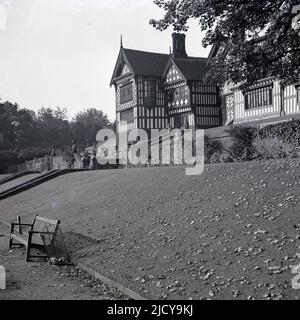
(27, 257)
(20, 227)
(10, 243)
(10, 238)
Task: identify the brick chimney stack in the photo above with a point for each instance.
(178, 46)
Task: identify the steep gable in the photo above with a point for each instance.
(122, 67)
(173, 74)
(125, 70)
(183, 70)
(139, 63)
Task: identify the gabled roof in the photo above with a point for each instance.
(119, 66)
(155, 64)
(141, 63)
(192, 68)
(147, 63)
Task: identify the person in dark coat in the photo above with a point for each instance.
(52, 155)
(85, 160)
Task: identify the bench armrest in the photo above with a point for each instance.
(21, 224)
(14, 224)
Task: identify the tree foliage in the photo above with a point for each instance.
(235, 26)
(87, 123)
(25, 134)
(53, 126)
(8, 116)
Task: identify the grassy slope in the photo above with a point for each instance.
(167, 235)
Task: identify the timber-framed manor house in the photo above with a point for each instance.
(158, 91)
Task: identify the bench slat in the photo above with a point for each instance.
(46, 220)
(34, 240)
(19, 239)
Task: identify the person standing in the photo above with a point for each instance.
(74, 147)
(85, 160)
(92, 164)
(52, 155)
(73, 153)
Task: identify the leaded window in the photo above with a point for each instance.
(259, 97)
(126, 93)
(127, 116)
(298, 94)
(150, 92)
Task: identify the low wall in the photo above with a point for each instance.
(37, 164)
(47, 164)
(60, 163)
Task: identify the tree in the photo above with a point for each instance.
(87, 123)
(236, 27)
(26, 130)
(8, 123)
(53, 127)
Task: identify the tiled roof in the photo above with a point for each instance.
(192, 68)
(146, 63)
(154, 64)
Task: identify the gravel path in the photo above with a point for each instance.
(16, 182)
(27, 281)
(3, 176)
(232, 233)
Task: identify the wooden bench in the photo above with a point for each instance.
(32, 238)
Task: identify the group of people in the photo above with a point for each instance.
(88, 160)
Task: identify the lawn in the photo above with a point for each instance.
(233, 232)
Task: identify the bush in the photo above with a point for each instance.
(242, 148)
(288, 132)
(226, 157)
(30, 153)
(8, 158)
(214, 151)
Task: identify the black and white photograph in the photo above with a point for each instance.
(149, 151)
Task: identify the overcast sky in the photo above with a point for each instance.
(62, 52)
